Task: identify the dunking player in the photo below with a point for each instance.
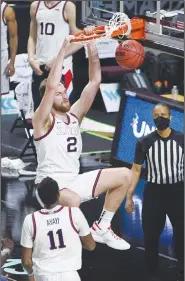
(52, 238)
(59, 145)
(8, 23)
(51, 22)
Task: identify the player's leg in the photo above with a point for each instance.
(69, 198)
(115, 182)
(4, 77)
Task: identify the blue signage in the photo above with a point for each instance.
(8, 103)
(137, 122)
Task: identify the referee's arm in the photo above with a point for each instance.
(136, 171)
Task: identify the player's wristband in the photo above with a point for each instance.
(129, 197)
(31, 274)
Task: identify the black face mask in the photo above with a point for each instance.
(162, 123)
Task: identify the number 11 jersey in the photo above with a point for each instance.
(59, 150)
(54, 236)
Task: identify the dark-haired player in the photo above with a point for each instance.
(52, 238)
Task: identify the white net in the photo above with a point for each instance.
(119, 21)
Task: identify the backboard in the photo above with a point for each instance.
(164, 24)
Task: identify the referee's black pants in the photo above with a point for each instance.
(160, 200)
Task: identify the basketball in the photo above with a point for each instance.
(130, 54)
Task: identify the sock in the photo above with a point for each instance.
(105, 219)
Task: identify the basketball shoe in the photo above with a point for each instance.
(107, 236)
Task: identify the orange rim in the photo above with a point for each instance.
(137, 31)
(99, 31)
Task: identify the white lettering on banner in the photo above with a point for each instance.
(145, 128)
(106, 48)
(9, 267)
(111, 96)
(111, 6)
(9, 104)
(23, 69)
(130, 5)
(130, 93)
(140, 7)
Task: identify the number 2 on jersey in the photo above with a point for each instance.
(71, 147)
(52, 241)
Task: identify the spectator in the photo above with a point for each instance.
(8, 23)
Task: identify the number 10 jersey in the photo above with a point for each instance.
(59, 150)
(52, 29)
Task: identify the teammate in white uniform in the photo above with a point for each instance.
(52, 238)
(59, 145)
(8, 23)
(51, 22)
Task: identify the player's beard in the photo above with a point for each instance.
(63, 107)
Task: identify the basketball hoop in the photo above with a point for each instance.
(119, 26)
(119, 23)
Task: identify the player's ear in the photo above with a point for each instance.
(170, 117)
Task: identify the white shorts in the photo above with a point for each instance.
(65, 276)
(84, 184)
(4, 78)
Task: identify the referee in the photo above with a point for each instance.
(163, 151)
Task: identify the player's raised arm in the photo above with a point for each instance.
(70, 16)
(42, 113)
(81, 107)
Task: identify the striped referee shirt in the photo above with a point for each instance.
(164, 157)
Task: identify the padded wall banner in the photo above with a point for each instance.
(106, 48)
(135, 122)
(9, 104)
(111, 96)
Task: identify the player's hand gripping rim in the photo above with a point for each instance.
(67, 42)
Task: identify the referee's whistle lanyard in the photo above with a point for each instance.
(162, 123)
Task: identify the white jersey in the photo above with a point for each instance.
(52, 29)
(54, 236)
(4, 43)
(59, 150)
